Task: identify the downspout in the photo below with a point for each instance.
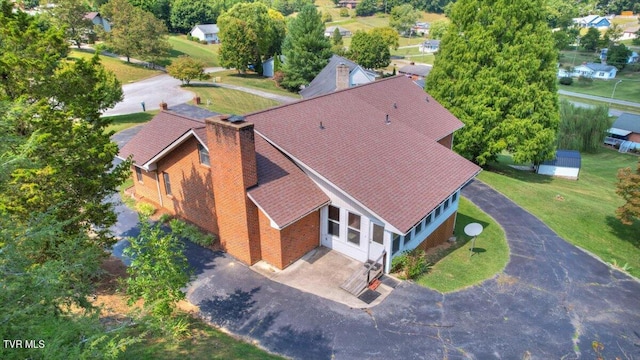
(158, 186)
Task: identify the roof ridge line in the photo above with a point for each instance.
(325, 95)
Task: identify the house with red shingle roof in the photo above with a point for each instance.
(367, 171)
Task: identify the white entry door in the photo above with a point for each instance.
(376, 242)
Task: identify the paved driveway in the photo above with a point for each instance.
(552, 301)
(152, 92)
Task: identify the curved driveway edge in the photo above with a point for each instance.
(551, 302)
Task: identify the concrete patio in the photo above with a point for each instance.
(321, 272)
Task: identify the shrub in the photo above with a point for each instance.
(191, 233)
(164, 218)
(326, 17)
(204, 42)
(277, 77)
(567, 80)
(344, 12)
(585, 80)
(411, 264)
(145, 209)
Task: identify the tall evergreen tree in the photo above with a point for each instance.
(306, 49)
(496, 71)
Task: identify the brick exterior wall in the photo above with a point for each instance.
(233, 170)
(147, 189)
(441, 234)
(446, 141)
(300, 237)
(635, 137)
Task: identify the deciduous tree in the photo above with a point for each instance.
(70, 15)
(186, 68)
(185, 14)
(618, 56)
(366, 7)
(134, 32)
(369, 50)
(159, 269)
(403, 17)
(496, 71)
(438, 28)
(590, 40)
(388, 35)
(581, 128)
(306, 49)
(629, 189)
(249, 34)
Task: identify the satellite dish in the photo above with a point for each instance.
(473, 229)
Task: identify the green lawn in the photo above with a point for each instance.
(229, 101)
(628, 89)
(181, 46)
(125, 72)
(624, 108)
(583, 211)
(575, 58)
(252, 80)
(205, 342)
(458, 269)
(122, 122)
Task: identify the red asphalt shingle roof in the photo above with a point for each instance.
(397, 170)
(284, 192)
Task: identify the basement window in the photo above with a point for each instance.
(203, 153)
(139, 174)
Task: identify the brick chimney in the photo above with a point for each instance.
(342, 77)
(231, 145)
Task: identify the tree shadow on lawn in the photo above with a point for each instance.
(528, 176)
(628, 233)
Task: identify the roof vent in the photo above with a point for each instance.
(387, 121)
(426, 99)
(236, 119)
(395, 106)
(321, 126)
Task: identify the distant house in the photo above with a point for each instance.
(98, 20)
(268, 66)
(328, 32)
(338, 74)
(349, 4)
(633, 58)
(594, 21)
(630, 33)
(206, 32)
(416, 72)
(590, 70)
(625, 132)
(421, 28)
(566, 164)
(429, 46)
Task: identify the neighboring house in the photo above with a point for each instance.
(268, 66)
(206, 32)
(421, 28)
(98, 20)
(328, 32)
(340, 73)
(368, 172)
(625, 132)
(633, 58)
(566, 164)
(594, 21)
(350, 4)
(429, 46)
(415, 72)
(590, 70)
(630, 33)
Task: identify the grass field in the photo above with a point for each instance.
(125, 72)
(459, 270)
(122, 122)
(229, 101)
(181, 46)
(583, 211)
(252, 80)
(624, 108)
(628, 89)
